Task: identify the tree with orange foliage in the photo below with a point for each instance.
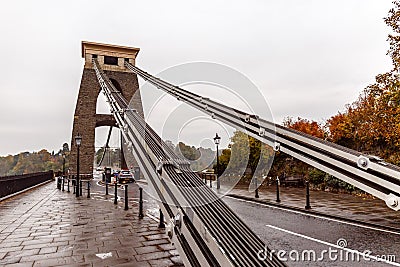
(285, 165)
(372, 123)
(306, 126)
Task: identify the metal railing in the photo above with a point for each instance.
(15, 183)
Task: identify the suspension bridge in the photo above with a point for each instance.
(203, 228)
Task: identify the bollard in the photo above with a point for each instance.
(88, 189)
(68, 186)
(106, 188)
(277, 190)
(80, 189)
(126, 197)
(63, 183)
(256, 196)
(308, 206)
(58, 183)
(73, 184)
(210, 181)
(140, 203)
(161, 225)
(116, 194)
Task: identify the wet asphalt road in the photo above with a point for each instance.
(296, 234)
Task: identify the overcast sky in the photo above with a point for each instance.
(308, 57)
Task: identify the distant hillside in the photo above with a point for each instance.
(30, 162)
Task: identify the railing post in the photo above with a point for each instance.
(140, 203)
(68, 186)
(88, 189)
(277, 190)
(126, 197)
(308, 206)
(116, 194)
(106, 187)
(161, 225)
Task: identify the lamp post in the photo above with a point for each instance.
(217, 139)
(78, 141)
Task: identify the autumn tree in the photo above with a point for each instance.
(285, 165)
(371, 124)
(31, 162)
(7, 163)
(310, 127)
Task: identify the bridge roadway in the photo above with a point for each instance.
(48, 227)
(289, 230)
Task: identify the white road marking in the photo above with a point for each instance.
(334, 245)
(317, 216)
(104, 256)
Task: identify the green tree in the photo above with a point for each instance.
(224, 159)
(189, 152)
(246, 152)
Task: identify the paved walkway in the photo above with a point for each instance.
(365, 209)
(48, 227)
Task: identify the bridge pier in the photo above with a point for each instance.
(85, 118)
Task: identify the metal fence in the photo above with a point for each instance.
(15, 183)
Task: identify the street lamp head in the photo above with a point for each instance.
(217, 139)
(78, 140)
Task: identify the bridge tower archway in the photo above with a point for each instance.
(111, 59)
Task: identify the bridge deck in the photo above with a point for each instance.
(48, 227)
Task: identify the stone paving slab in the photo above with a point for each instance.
(48, 227)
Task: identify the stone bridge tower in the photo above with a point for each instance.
(111, 59)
